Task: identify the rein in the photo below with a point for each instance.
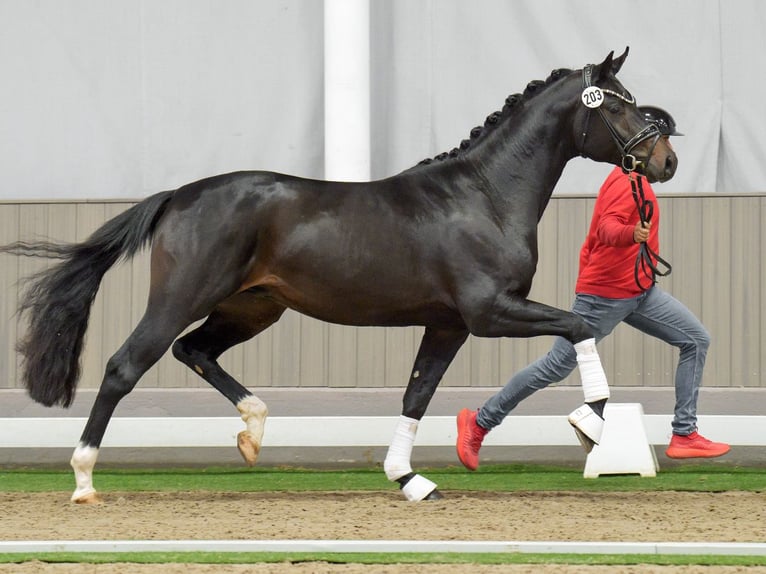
(646, 257)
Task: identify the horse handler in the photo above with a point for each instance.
(616, 283)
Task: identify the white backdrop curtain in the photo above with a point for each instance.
(123, 98)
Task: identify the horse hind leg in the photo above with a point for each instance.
(144, 347)
(234, 321)
(437, 349)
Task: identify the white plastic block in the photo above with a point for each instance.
(624, 446)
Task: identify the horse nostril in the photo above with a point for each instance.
(669, 165)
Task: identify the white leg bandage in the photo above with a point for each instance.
(83, 460)
(397, 463)
(594, 384)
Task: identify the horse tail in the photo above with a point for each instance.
(57, 300)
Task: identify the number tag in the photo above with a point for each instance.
(592, 97)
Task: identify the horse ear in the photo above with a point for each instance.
(605, 66)
(611, 64)
(619, 61)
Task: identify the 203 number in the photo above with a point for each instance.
(592, 97)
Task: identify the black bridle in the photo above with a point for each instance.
(647, 260)
(629, 161)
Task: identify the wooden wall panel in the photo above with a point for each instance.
(746, 293)
(715, 278)
(9, 298)
(715, 243)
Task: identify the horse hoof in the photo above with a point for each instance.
(416, 488)
(434, 495)
(585, 441)
(92, 498)
(248, 448)
(588, 426)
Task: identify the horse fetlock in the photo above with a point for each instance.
(397, 462)
(396, 467)
(252, 407)
(83, 460)
(254, 413)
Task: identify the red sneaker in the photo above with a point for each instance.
(469, 438)
(695, 446)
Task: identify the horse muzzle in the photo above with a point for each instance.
(662, 169)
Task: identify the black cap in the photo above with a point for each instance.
(662, 119)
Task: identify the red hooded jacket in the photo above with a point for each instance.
(608, 256)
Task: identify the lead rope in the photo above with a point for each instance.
(646, 258)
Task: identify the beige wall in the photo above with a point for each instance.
(716, 244)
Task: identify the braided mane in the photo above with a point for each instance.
(511, 106)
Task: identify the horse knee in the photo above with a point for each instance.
(581, 331)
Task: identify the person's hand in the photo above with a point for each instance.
(641, 232)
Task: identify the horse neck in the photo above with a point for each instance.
(525, 155)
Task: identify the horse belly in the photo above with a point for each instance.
(341, 266)
(359, 303)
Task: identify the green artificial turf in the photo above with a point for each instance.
(500, 478)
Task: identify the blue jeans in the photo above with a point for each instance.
(655, 313)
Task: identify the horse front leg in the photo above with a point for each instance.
(513, 316)
(437, 349)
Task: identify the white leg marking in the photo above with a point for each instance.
(254, 413)
(397, 463)
(249, 441)
(83, 460)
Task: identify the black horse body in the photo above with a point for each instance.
(450, 244)
(316, 247)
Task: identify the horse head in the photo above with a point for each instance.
(609, 127)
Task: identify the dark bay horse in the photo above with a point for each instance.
(450, 244)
